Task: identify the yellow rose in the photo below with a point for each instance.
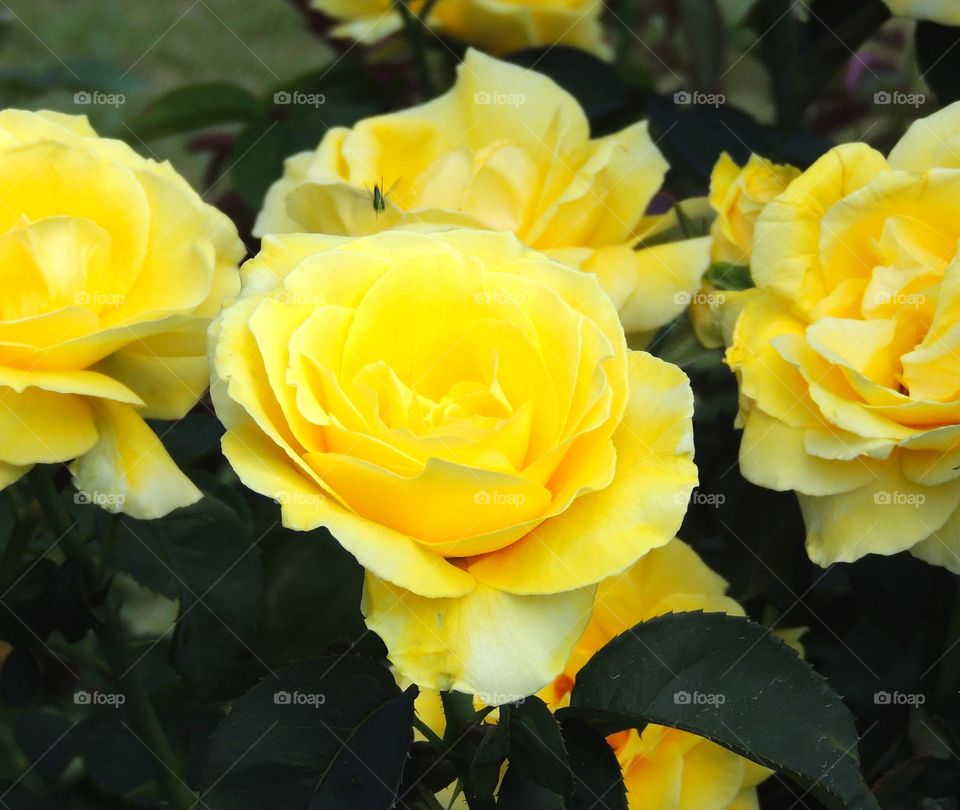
(464, 415)
(737, 196)
(664, 768)
(496, 26)
(848, 358)
(508, 150)
(112, 268)
(946, 12)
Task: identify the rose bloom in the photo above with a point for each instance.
(737, 197)
(946, 12)
(847, 358)
(496, 26)
(506, 149)
(463, 414)
(663, 768)
(112, 269)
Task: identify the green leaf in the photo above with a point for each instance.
(597, 777)
(196, 106)
(296, 740)
(735, 683)
(119, 765)
(536, 745)
(302, 570)
(487, 761)
(726, 276)
(520, 793)
(27, 616)
(938, 57)
(206, 549)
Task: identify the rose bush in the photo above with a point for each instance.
(848, 358)
(496, 26)
(464, 416)
(505, 149)
(112, 268)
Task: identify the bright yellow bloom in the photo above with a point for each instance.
(664, 768)
(464, 415)
(112, 268)
(506, 149)
(946, 12)
(496, 26)
(849, 358)
(737, 196)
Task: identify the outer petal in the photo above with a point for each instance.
(942, 547)
(887, 516)
(651, 286)
(129, 462)
(774, 455)
(496, 645)
(602, 533)
(933, 141)
(40, 426)
(265, 468)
